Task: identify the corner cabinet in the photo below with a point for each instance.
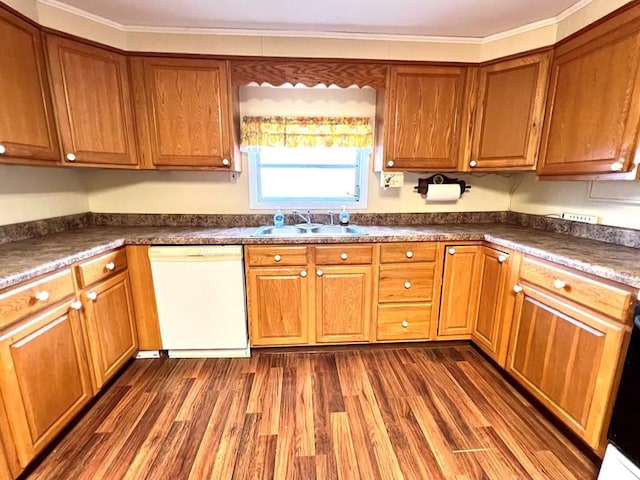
(593, 107)
(498, 270)
(27, 126)
(184, 112)
(426, 113)
(509, 114)
(93, 104)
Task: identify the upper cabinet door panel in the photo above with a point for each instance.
(425, 114)
(27, 126)
(593, 109)
(93, 102)
(187, 105)
(508, 121)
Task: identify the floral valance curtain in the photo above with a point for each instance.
(353, 132)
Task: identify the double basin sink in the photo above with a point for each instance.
(309, 230)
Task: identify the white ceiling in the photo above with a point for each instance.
(451, 18)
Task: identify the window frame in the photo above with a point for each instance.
(358, 201)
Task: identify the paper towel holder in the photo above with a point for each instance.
(439, 179)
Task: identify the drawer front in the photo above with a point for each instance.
(602, 297)
(408, 252)
(403, 321)
(344, 255)
(29, 298)
(406, 283)
(101, 267)
(274, 255)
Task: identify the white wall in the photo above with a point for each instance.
(32, 193)
(553, 198)
(59, 16)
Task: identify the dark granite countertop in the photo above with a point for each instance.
(26, 259)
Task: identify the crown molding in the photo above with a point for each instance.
(552, 21)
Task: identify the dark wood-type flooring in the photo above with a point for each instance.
(378, 413)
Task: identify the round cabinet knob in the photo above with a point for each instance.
(3, 149)
(473, 163)
(517, 288)
(344, 256)
(407, 285)
(405, 324)
(42, 296)
(616, 166)
(226, 162)
(390, 163)
(71, 157)
(277, 258)
(92, 296)
(409, 254)
(303, 273)
(557, 283)
(319, 272)
(110, 266)
(452, 251)
(77, 305)
(502, 258)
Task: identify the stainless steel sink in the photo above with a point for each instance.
(312, 230)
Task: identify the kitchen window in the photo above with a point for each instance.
(307, 162)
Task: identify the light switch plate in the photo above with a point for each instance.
(391, 180)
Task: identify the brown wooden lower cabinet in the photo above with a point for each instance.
(569, 358)
(110, 326)
(343, 303)
(491, 325)
(44, 377)
(278, 307)
(460, 288)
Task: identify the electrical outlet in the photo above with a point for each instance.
(578, 217)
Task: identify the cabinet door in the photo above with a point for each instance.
(187, 110)
(490, 327)
(278, 306)
(93, 103)
(593, 107)
(44, 377)
(343, 304)
(568, 358)
(27, 126)
(460, 285)
(425, 113)
(111, 326)
(510, 109)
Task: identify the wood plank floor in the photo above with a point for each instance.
(387, 413)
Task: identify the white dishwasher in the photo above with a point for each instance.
(201, 303)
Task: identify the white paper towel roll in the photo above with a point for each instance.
(443, 193)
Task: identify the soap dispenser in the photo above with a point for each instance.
(278, 219)
(344, 216)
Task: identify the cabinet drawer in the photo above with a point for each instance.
(600, 296)
(406, 283)
(277, 255)
(31, 297)
(403, 321)
(101, 267)
(343, 255)
(407, 252)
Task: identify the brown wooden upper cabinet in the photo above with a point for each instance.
(93, 104)
(510, 108)
(593, 106)
(27, 126)
(185, 115)
(425, 116)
